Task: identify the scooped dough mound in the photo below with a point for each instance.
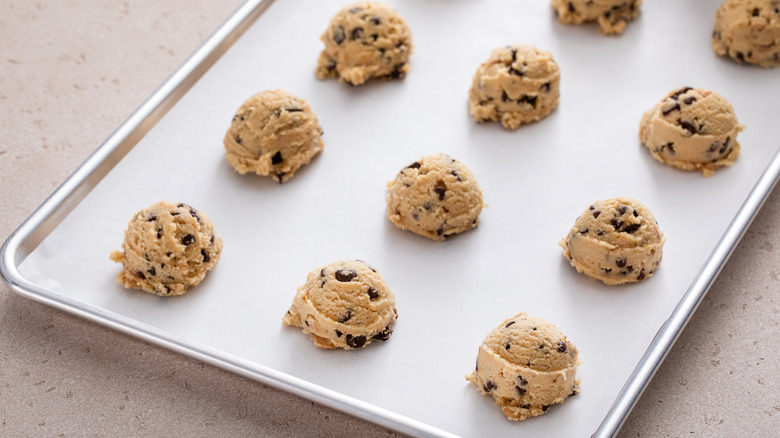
(616, 241)
(748, 31)
(692, 129)
(526, 364)
(435, 197)
(167, 249)
(611, 15)
(273, 133)
(365, 40)
(345, 304)
(517, 84)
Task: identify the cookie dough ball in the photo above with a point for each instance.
(616, 241)
(612, 15)
(435, 197)
(527, 365)
(167, 249)
(748, 31)
(517, 84)
(273, 133)
(365, 40)
(345, 304)
(692, 129)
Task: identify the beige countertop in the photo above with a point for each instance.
(71, 72)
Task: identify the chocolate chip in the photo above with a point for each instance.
(440, 231)
(347, 316)
(520, 391)
(206, 257)
(355, 10)
(607, 270)
(505, 97)
(585, 231)
(331, 65)
(596, 213)
(591, 207)
(630, 268)
(238, 140)
(513, 71)
(679, 92)
(440, 191)
(521, 380)
(509, 323)
(277, 158)
(630, 228)
(670, 147)
(621, 263)
(414, 165)
(159, 233)
(571, 7)
(322, 272)
(189, 239)
(345, 275)
(151, 218)
(141, 275)
(616, 223)
(152, 271)
(375, 20)
(531, 100)
(622, 209)
(383, 335)
(756, 12)
(489, 386)
(741, 56)
(667, 111)
(545, 408)
(294, 110)
(714, 147)
(641, 275)
(338, 35)
(280, 176)
(339, 334)
(545, 87)
(636, 214)
(508, 344)
(541, 346)
(687, 126)
(372, 294)
(356, 33)
(689, 100)
(562, 347)
(356, 341)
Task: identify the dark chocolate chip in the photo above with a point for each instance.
(356, 33)
(520, 391)
(541, 346)
(756, 12)
(440, 231)
(346, 316)
(372, 294)
(679, 92)
(509, 323)
(636, 214)
(545, 408)
(670, 147)
(294, 110)
(687, 126)
(630, 228)
(545, 87)
(206, 257)
(339, 334)
(531, 100)
(596, 213)
(621, 263)
(331, 65)
(277, 158)
(585, 231)
(622, 209)
(375, 20)
(159, 233)
(152, 271)
(571, 7)
(508, 344)
(514, 71)
(489, 386)
(616, 223)
(641, 275)
(322, 272)
(414, 165)
(592, 207)
(356, 341)
(338, 35)
(141, 275)
(667, 111)
(151, 218)
(630, 268)
(522, 380)
(562, 347)
(505, 97)
(383, 335)
(456, 175)
(440, 191)
(345, 275)
(689, 100)
(189, 239)
(607, 270)
(238, 140)
(280, 176)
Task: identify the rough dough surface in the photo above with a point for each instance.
(167, 249)
(345, 304)
(435, 197)
(527, 365)
(748, 31)
(692, 129)
(273, 133)
(365, 40)
(611, 15)
(517, 84)
(616, 241)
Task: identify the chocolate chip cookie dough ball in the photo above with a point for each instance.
(365, 40)
(345, 304)
(273, 133)
(616, 241)
(692, 129)
(517, 84)
(611, 15)
(526, 364)
(435, 197)
(167, 249)
(748, 31)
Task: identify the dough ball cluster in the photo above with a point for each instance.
(273, 133)
(365, 40)
(167, 249)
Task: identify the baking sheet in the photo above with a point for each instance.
(536, 181)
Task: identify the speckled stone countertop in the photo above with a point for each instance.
(71, 72)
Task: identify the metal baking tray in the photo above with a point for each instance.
(536, 180)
